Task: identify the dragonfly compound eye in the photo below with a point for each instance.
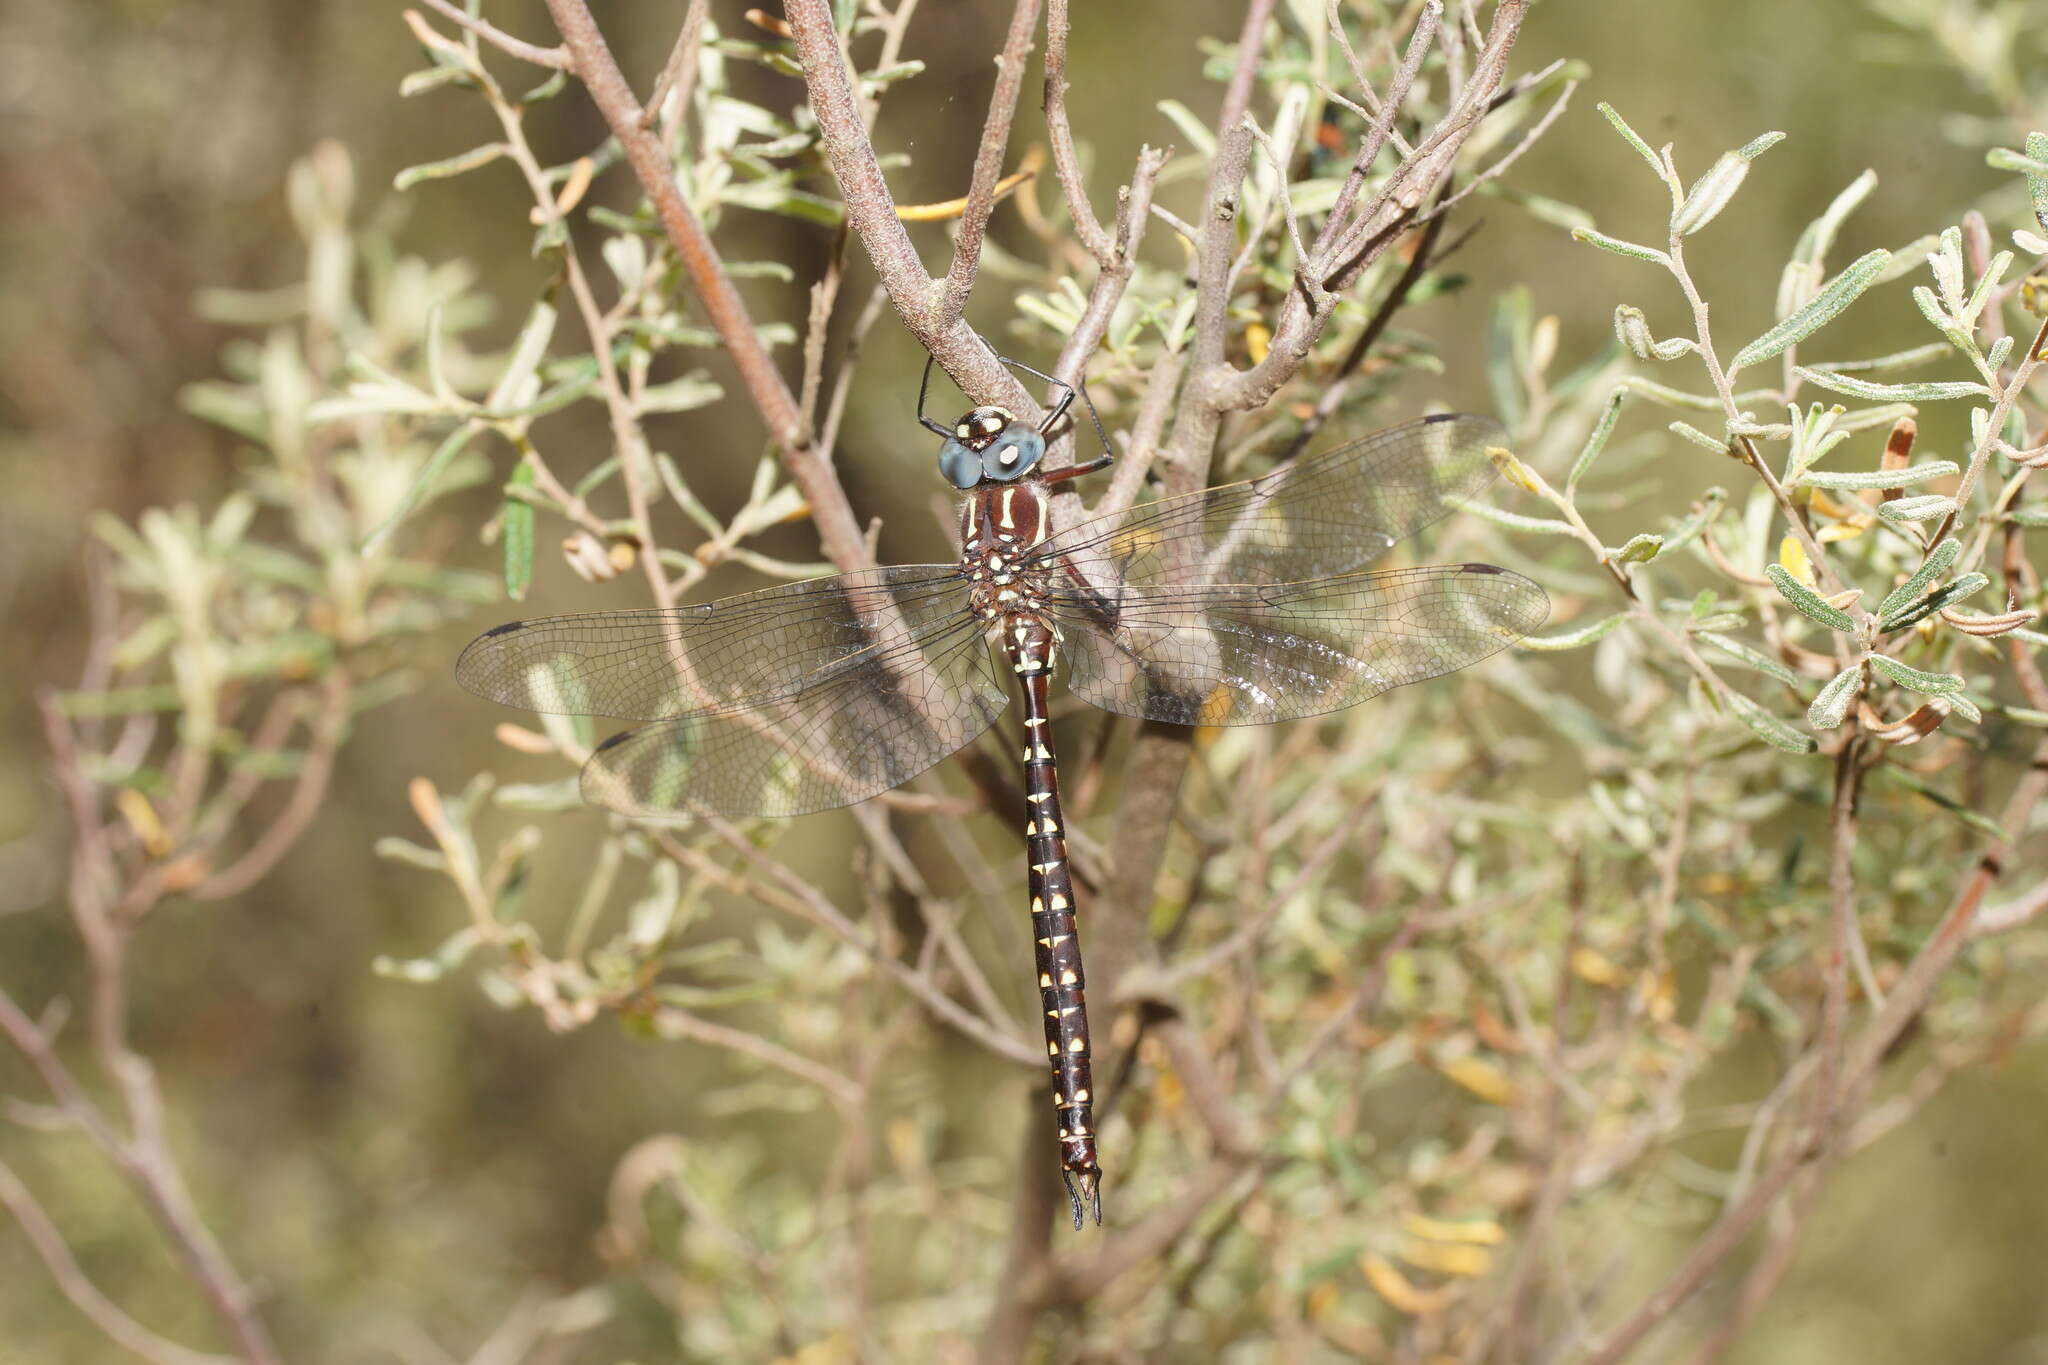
(989, 445)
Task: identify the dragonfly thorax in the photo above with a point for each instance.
(999, 527)
(989, 445)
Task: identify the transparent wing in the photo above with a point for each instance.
(651, 665)
(863, 724)
(1247, 654)
(1328, 514)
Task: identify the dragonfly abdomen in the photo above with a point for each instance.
(1062, 985)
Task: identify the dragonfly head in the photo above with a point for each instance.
(989, 445)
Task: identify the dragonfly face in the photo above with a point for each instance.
(989, 445)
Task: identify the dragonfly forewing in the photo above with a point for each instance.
(1247, 654)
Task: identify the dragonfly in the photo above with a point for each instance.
(1242, 604)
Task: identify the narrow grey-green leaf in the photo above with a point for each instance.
(1596, 442)
(1819, 237)
(1632, 329)
(1916, 509)
(1969, 585)
(1642, 147)
(2006, 159)
(1934, 566)
(1880, 478)
(1710, 193)
(1897, 360)
(1758, 145)
(1640, 549)
(1746, 656)
(1515, 521)
(2037, 185)
(1619, 247)
(1905, 777)
(1932, 391)
(449, 166)
(527, 352)
(1571, 639)
(1831, 707)
(1914, 679)
(430, 472)
(1769, 728)
(1817, 311)
(517, 516)
(1810, 603)
(1698, 437)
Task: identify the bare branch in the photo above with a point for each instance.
(988, 161)
(555, 58)
(78, 1288)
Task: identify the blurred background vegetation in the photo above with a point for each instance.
(396, 1168)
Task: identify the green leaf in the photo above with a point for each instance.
(1934, 566)
(1571, 639)
(433, 78)
(1917, 680)
(517, 516)
(1597, 441)
(680, 395)
(1916, 509)
(1897, 360)
(1817, 312)
(1769, 728)
(1810, 603)
(2006, 159)
(1619, 247)
(1969, 585)
(1749, 658)
(1190, 127)
(1640, 549)
(437, 464)
(1515, 521)
(1831, 707)
(1933, 391)
(1699, 438)
(1711, 192)
(527, 353)
(450, 166)
(1880, 478)
(1642, 147)
(2037, 185)
(1668, 396)
(1976, 820)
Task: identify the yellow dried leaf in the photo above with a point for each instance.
(1514, 471)
(1466, 1262)
(1659, 991)
(1841, 530)
(1258, 339)
(1792, 555)
(836, 1349)
(1473, 1231)
(904, 1143)
(1481, 1077)
(1590, 964)
(1321, 1301)
(1398, 1290)
(141, 817)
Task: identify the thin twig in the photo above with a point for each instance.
(555, 58)
(988, 162)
